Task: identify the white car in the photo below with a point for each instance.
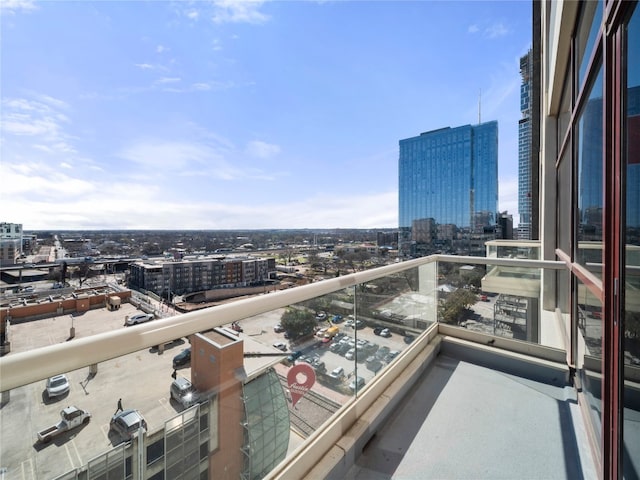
(385, 333)
(138, 318)
(337, 372)
(280, 346)
(57, 386)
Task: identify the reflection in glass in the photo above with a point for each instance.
(631, 236)
(590, 177)
(589, 316)
(590, 19)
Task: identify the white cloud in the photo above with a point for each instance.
(38, 118)
(169, 80)
(192, 14)
(473, 29)
(496, 30)
(144, 66)
(201, 86)
(160, 48)
(238, 11)
(257, 148)
(14, 6)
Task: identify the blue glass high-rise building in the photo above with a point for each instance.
(448, 190)
(524, 148)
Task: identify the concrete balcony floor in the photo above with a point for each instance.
(481, 416)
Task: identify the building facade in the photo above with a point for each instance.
(448, 177)
(187, 276)
(524, 147)
(589, 191)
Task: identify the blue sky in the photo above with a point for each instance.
(242, 115)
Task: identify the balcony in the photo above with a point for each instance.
(472, 381)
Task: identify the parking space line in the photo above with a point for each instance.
(165, 403)
(66, 449)
(31, 475)
(75, 449)
(105, 430)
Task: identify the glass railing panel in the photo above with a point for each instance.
(496, 300)
(523, 250)
(589, 344)
(103, 420)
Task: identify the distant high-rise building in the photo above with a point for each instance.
(10, 242)
(524, 147)
(448, 177)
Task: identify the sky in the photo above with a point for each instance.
(242, 115)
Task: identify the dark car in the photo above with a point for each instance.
(182, 359)
(294, 355)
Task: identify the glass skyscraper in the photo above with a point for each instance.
(524, 147)
(448, 188)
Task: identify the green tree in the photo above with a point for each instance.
(298, 322)
(455, 304)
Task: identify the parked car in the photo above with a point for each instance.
(321, 316)
(336, 319)
(278, 328)
(183, 392)
(70, 418)
(377, 330)
(183, 358)
(385, 333)
(57, 386)
(373, 363)
(337, 373)
(294, 355)
(357, 383)
(280, 346)
(391, 355)
(350, 355)
(126, 423)
(138, 318)
(382, 352)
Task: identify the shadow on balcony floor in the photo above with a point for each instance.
(472, 422)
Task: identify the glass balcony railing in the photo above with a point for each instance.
(215, 398)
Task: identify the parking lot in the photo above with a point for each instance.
(140, 379)
(261, 329)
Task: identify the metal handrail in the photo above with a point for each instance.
(22, 368)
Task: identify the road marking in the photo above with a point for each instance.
(32, 476)
(75, 449)
(66, 448)
(105, 431)
(166, 404)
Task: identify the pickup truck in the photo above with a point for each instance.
(71, 417)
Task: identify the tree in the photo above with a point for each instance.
(456, 303)
(298, 322)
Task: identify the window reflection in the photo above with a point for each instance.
(631, 235)
(590, 178)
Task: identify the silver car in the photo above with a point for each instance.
(183, 392)
(127, 423)
(57, 386)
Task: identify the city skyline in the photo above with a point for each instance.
(242, 115)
